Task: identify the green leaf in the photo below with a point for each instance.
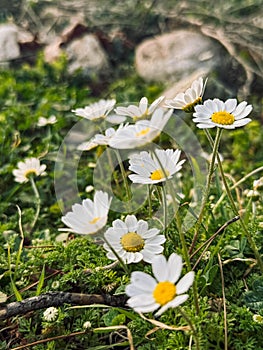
(41, 281)
(118, 320)
(15, 290)
(109, 317)
(254, 298)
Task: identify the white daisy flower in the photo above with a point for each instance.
(227, 115)
(258, 319)
(141, 111)
(150, 169)
(133, 241)
(188, 99)
(142, 132)
(89, 188)
(90, 216)
(87, 325)
(87, 146)
(97, 110)
(258, 184)
(99, 139)
(147, 294)
(50, 314)
(253, 194)
(42, 121)
(31, 166)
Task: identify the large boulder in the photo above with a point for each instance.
(83, 50)
(87, 54)
(175, 55)
(9, 44)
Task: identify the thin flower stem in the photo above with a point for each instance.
(224, 299)
(187, 259)
(34, 187)
(124, 175)
(185, 252)
(20, 249)
(188, 320)
(112, 170)
(164, 207)
(235, 210)
(150, 200)
(124, 266)
(207, 187)
(177, 216)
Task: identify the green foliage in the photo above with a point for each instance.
(254, 298)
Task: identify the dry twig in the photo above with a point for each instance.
(57, 299)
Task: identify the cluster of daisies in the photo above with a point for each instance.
(132, 240)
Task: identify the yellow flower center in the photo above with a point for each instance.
(189, 108)
(93, 221)
(30, 172)
(164, 292)
(159, 174)
(143, 132)
(223, 118)
(132, 242)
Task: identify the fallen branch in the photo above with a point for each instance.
(57, 299)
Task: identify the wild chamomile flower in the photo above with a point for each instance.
(133, 241)
(148, 293)
(87, 325)
(188, 99)
(31, 166)
(97, 110)
(227, 115)
(142, 111)
(90, 216)
(87, 146)
(258, 184)
(99, 139)
(150, 169)
(253, 194)
(42, 121)
(50, 314)
(258, 318)
(142, 132)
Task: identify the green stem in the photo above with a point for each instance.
(207, 187)
(181, 233)
(164, 207)
(124, 266)
(35, 190)
(187, 259)
(235, 210)
(124, 175)
(150, 200)
(20, 249)
(188, 320)
(112, 170)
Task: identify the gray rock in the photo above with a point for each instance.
(9, 48)
(87, 54)
(175, 55)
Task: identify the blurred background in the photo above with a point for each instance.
(166, 42)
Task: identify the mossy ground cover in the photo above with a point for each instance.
(35, 258)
